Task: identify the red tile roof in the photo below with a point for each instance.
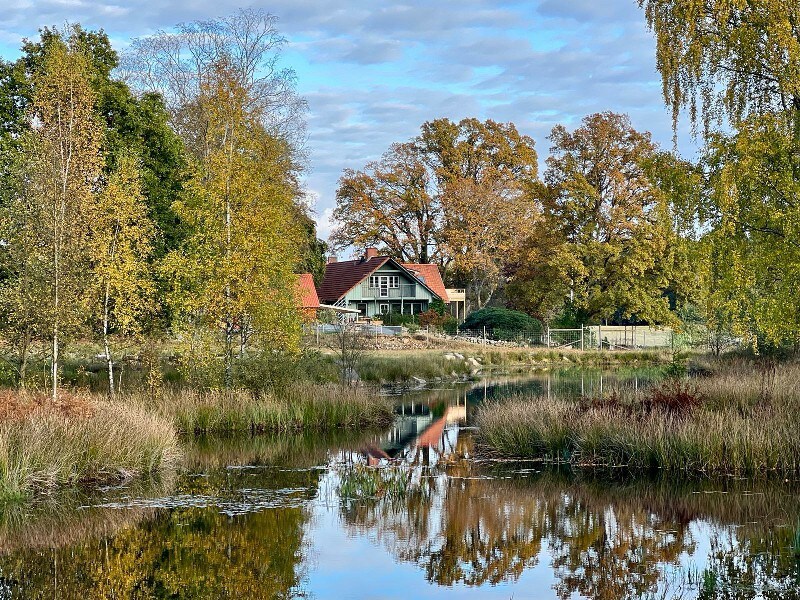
(307, 291)
(341, 277)
(430, 275)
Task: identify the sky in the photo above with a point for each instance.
(373, 72)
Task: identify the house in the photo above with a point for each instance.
(307, 296)
(376, 285)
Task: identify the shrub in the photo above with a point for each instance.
(674, 397)
(431, 318)
(396, 318)
(569, 317)
(438, 306)
(450, 325)
(501, 320)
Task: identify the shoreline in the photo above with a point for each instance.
(86, 438)
(727, 423)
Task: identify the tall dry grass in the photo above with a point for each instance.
(307, 407)
(734, 421)
(88, 438)
(43, 446)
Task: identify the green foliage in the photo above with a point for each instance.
(134, 125)
(740, 62)
(274, 371)
(313, 251)
(677, 367)
(610, 233)
(437, 305)
(396, 318)
(752, 274)
(719, 58)
(569, 317)
(46, 223)
(450, 325)
(501, 319)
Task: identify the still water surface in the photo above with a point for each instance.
(408, 513)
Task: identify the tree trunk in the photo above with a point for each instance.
(228, 354)
(106, 345)
(54, 365)
(23, 358)
(110, 363)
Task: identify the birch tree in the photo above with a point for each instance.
(238, 114)
(734, 67)
(61, 167)
(235, 270)
(121, 242)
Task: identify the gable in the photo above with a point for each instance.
(341, 277)
(307, 292)
(429, 274)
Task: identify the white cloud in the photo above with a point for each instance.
(374, 72)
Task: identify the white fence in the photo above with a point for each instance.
(594, 337)
(583, 338)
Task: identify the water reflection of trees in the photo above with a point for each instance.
(59, 521)
(185, 553)
(602, 538)
(178, 550)
(765, 564)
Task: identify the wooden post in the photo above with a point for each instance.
(484, 335)
(581, 337)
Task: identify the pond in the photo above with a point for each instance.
(406, 513)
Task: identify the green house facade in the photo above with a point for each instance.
(379, 285)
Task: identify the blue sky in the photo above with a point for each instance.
(373, 72)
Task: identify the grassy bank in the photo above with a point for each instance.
(43, 446)
(85, 438)
(397, 366)
(304, 407)
(739, 420)
(81, 367)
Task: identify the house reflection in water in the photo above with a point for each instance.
(421, 434)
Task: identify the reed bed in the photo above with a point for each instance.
(735, 422)
(87, 438)
(44, 446)
(307, 407)
(402, 367)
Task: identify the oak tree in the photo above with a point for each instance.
(604, 240)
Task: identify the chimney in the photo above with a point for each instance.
(371, 253)
(331, 259)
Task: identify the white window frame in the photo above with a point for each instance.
(387, 281)
(381, 308)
